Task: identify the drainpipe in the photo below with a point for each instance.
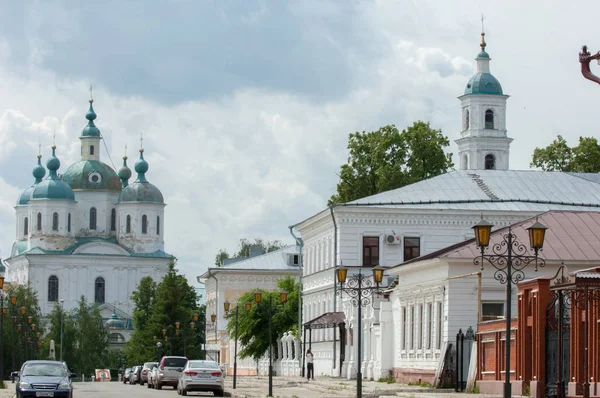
(210, 275)
(334, 276)
(299, 242)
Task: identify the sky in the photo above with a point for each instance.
(246, 106)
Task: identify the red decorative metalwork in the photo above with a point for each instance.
(584, 58)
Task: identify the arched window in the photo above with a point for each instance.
(93, 218)
(113, 220)
(466, 119)
(99, 286)
(53, 288)
(91, 149)
(39, 222)
(128, 225)
(490, 162)
(157, 225)
(55, 222)
(144, 224)
(26, 226)
(69, 222)
(489, 119)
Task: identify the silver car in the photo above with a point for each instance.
(199, 375)
(168, 371)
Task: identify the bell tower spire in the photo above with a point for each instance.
(90, 136)
(483, 142)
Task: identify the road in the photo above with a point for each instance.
(114, 389)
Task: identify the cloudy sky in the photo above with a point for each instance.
(246, 105)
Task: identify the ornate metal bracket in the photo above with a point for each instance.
(584, 58)
(360, 288)
(509, 253)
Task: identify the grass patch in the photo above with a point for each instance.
(389, 379)
(424, 384)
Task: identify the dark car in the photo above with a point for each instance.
(44, 379)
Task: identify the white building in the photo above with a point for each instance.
(397, 226)
(89, 232)
(231, 281)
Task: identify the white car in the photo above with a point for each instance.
(200, 375)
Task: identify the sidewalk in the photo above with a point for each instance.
(329, 387)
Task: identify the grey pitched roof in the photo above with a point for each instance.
(525, 190)
(273, 261)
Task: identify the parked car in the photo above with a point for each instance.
(152, 376)
(144, 372)
(168, 372)
(126, 375)
(135, 375)
(44, 379)
(201, 375)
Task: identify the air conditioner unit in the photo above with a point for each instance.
(392, 239)
(294, 259)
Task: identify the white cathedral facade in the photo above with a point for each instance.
(397, 226)
(89, 231)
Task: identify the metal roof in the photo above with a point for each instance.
(506, 190)
(571, 236)
(272, 261)
(326, 320)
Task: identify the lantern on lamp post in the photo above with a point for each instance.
(509, 257)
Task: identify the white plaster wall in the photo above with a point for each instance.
(47, 238)
(136, 241)
(104, 202)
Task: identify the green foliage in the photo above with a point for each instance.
(558, 156)
(475, 389)
(159, 307)
(388, 159)
(17, 348)
(253, 330)
(244, 249)
(424, 384)
(389, 379)
(92, 338)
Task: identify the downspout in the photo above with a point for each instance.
(300, 243)
(210, 275)
(334, 276)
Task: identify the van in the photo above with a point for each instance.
(169, 370)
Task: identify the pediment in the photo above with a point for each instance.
(102, 248)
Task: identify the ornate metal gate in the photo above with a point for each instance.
(558, 345)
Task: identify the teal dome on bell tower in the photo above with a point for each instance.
(483, 82)
(141, 190)
(90, 130)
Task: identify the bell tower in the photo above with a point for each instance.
(483, 142)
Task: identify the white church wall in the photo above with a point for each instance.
(103, 202)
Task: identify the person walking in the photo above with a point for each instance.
(310, 370)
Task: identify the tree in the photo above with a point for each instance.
(253, 334)
(558, 156)
(172, 300)
(244, 249)
(388, 159)
(92, 338)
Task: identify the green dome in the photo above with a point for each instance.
(53, 187)
(141, 192)
(38, 173)
(92, 174)
(114, 322)
(483, 83)
(90, 130)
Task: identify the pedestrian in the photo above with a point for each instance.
(310, 370)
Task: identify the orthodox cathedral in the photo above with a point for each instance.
(88, 231)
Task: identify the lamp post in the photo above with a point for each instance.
(62, 308)
(282, 299)
(509, 258)
(158, 345)
(213, 319)
(13, 302)
(184, 332)
(227, 306)
(1, 321)
(360, 289)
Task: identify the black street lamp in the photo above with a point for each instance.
(13, 302)
(184, 332)
(227, 306)
(283, 299)
(509, 258)
(360, 289)
(158, 345)
(1, 332)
